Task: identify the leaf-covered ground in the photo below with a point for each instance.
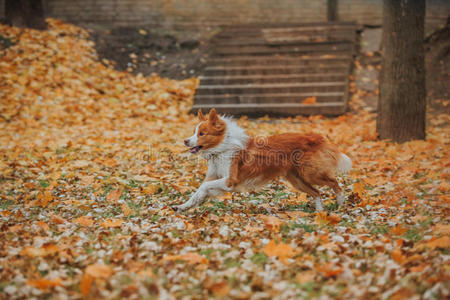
(92, 159)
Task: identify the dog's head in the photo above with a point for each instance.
(208, 134)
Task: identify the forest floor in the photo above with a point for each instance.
(92, 158)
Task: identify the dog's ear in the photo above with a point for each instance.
(213, 116)
(200, 115)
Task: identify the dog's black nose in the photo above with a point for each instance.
(186, 142)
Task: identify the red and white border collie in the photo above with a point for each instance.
(237, 162)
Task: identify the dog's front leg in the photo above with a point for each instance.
(207, 189)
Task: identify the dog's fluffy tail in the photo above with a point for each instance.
(344, 164)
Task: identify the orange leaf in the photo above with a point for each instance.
(310, 100)
(44, 198)
(329, 270)
(398, 230)
(441, 228)
(86, 284)
(114, 195)
(57, 219)
(305, 277)
(45, 250)
(398, 256)
(401, 294)
(99, 271)
(418, 268)
(127, 211)
(111, 223)
(220, 288)
(323, 218)
(44, 284)
(190, 258)
(85, 221)
(359, 188)
(43, 225)
(281, 250)
(443, 242)
(272, 223)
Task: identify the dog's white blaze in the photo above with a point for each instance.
(194, 139)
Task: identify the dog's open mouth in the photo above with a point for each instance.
(195, 149)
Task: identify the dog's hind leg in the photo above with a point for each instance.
(303, 186)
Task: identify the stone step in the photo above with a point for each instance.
(282, 40)
(272, 70)
(273, 88)
(281, 109)
(290, 78)
(265, 50)
(280, 60)
(283, 28)
(321, 97)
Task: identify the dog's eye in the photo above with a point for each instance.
(201, 133)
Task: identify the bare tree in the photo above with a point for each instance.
(25, 13)
(402, 102)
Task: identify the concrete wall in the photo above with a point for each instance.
(214, 12)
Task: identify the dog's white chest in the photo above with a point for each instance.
(220, 166)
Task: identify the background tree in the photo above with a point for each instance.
(25, 13)
(402, 101)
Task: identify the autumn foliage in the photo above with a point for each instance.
(92, 158)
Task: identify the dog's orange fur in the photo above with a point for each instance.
(211, 131)
(304, 160)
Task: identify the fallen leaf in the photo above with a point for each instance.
(85, 221)
(44, 284)
(272, 223)
(113, 196)
(190, 258)
(111, 223)
(398, 256)
(329, 270)
(310, 100)
(443, 242)
(281, 250)
(219, 289)
(99, 271)
(399, 230)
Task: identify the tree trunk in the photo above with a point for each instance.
(25, 13)
(402, 101)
